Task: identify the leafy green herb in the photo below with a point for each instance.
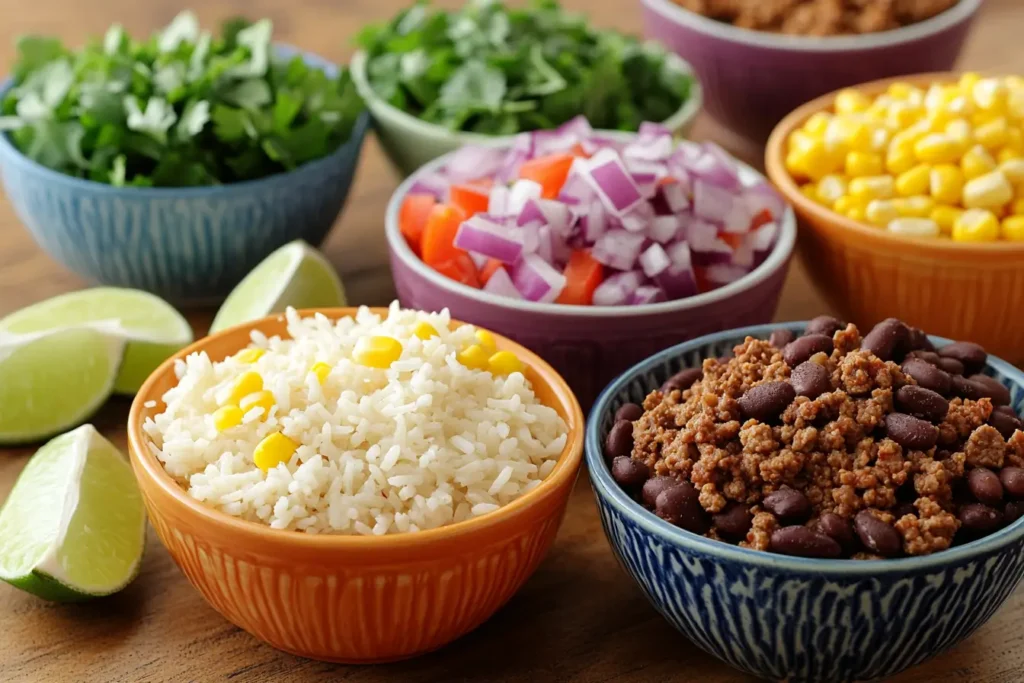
(496, 70)
(183, 108)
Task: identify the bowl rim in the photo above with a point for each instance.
(943, 21)
(606, 488)
(776, 259)
(680, 119)
(9, 152)
(783, 181)
(146, 465)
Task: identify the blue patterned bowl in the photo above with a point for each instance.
(187, 245)
(796, 619)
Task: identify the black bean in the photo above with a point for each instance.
(1006, 409)
(629, 473)
(965, 388)
(682, 380)
(971, 355)
(984, 486)
(1013, 511)
(917, 339)
(619, 440)
(980, 518)
(910, 432)
(810, 379)
(950, 365)
(1005, 424)
(802, 348)
(654, 486)
(765, 401)
(923, 403)
(1012, 479)
(876, 535)
(993, 388)
(824, 324)
(789, 505)
(734, 521)
(780, 337)
(885, 337)
(837, 528)
(927, 375)
(803, 542)
(903, 509)
(680, 505)
(629, 411)
(724, 360)
(927, 356)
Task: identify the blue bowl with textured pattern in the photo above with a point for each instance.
(788, 618)
(188, 245)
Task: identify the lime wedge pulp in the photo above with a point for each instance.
(295, 275)
(151, 327)
(74, 526)
(55, 381)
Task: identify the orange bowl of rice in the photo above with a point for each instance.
(356, 485)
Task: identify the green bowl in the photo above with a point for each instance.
(410, 142)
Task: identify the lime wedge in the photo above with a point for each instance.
(295, 275)
(55, 381)
(153, 329)
(74, 526)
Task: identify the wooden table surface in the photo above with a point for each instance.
(579, 618)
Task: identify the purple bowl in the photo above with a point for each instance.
(752, 79)
(589, 345)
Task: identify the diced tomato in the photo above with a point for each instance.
(763, 216)
(412, 218)
(489, 269)
(666, 180)
(487, 183)
(459, 268)
(472, 199)
(582, 276)
(549, 172)
(733, 239)
(578, 151)
(438, 243)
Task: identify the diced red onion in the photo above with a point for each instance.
(762, 239)
(537, 280)
(617, 289)
(646, 294)
(663, 229)
(678, 280)
(434, 184)
(638, 219)
(711, 202)
(715, 251)
(676, 196)
(479, 260)
(500, 283)
(737, 218)
(724, 273)
(549, 212)
(576, 189)
(743, 255)
(531, 237)
(481, 235)
(521, 192)
(761, 196)
(594, 222)
(618, 249)
(545, 239)
(654, 260)
(613, 184)
(473, 162)
(497, 203)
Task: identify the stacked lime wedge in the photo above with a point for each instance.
(74, 526)
(295, 275)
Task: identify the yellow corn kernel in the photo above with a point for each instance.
(863, 164)
(919, 206)
(879, 110)
(322, 371)
(273, 450)
(377, 352)
(504, 363)
(249, 355)
(989, 191)
(1008, 154)
(968, 80)
(473, 357)
(908, 137)
(486, 340)
(881, 211)
(831, 188)
(810, 191)
(845, 134)
(261, 399)
(976, 225)
(962, 131)
(977, 162)
(904, 114)
(901, 90)
(946, 183)
(846, 203)
(1017, 208)
(247, 383)
(945, 217)
(1013, 169)
(227, 417)
(811, 161)
(873, 187)
(937, 148)
(424, 330)
(880, 138)
(990, 95)
(816, 125)
(899, 160)
(993, 134)
(856, 213)
(851, 101)
(914, 227)
(1013, 228)
(1015, 139)
(914, 181)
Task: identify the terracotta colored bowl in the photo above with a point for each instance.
(952, 289)
(352, 598)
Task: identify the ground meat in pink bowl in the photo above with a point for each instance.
(813, 502)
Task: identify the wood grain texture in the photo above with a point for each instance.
(578, 619)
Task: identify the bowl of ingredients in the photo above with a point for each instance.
(926, 218)
(593, 250)
(808, 504)
(436, 80)
(340, 484)
(759, 60)
(177, 163)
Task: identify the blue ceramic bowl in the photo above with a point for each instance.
(187, 245)
(796, 619)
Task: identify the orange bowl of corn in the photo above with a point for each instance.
(910, 198)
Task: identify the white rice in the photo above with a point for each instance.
(425, 443)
